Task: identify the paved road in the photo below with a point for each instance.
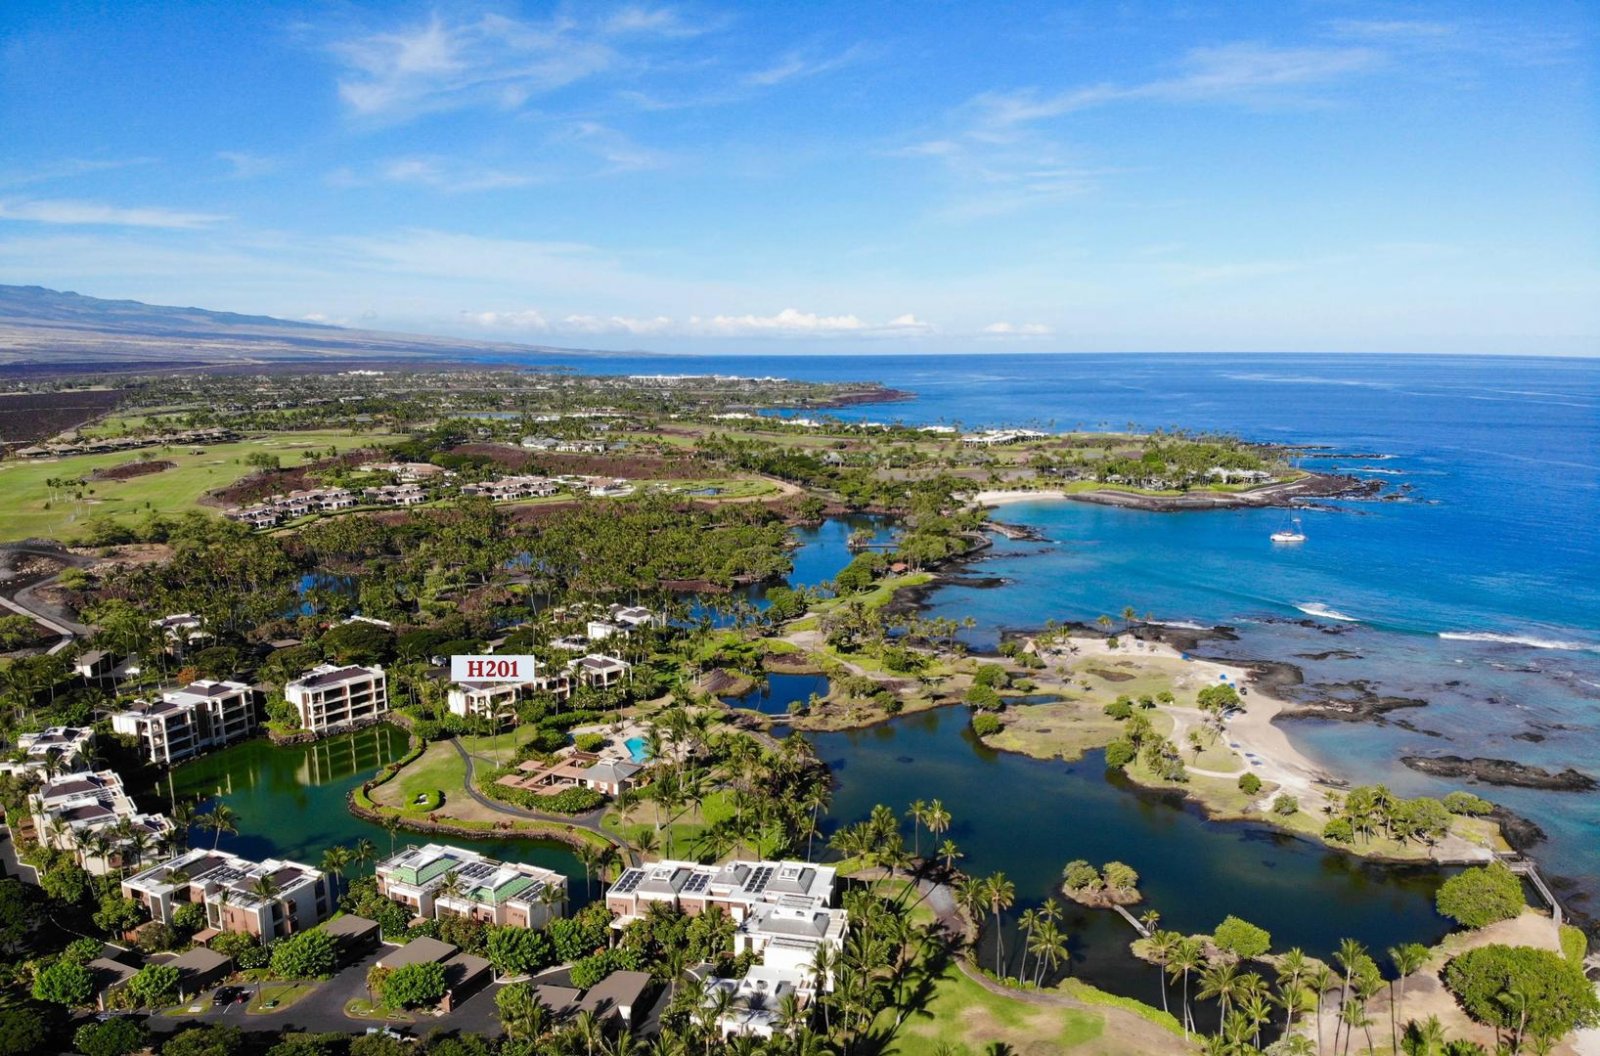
(323, 1010)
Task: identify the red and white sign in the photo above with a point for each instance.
(492, 668)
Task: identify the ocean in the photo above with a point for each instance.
(1475, 589)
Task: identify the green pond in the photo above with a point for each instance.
(291, 802)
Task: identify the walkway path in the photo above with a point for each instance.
(590, 821)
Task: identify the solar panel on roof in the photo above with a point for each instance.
(476, 871)
(628, 881)
(697, 883)
(759, 881)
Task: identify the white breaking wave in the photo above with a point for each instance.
(1314, 608)
(1181, 625)
(1515, 639)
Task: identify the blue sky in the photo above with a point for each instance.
(827, 177)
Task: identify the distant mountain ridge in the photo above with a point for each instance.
(45, 327)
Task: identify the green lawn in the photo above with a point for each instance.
(440, 768)
(26, 510)
(678, 833)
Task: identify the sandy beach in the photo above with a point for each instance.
(1006, 498)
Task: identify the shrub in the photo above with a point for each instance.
(414, 986)
(984, 698)
(1249, 784)
(204, 1041)
(305, 955)
(1242, 937)
(1499, 985)
(519, 951)
(1120, 877)
(1467, 803)
(189, 917)
(1481, 896)
(156, 937)
(985, 725)
(1285, 805)
(64, 983)
(992, 675)
(22, 1032)
(572, 801)
(115, 1037)
(589, 742)
(1339, 830)
(1079, 875)
(425, 802)
(1119, 754)
(1574, 944)
(1119, 709)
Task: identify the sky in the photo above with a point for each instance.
(822, 177)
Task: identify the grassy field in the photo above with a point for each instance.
(678, 834)
(26, 509)
(439, 769)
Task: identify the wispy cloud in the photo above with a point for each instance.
(67, 169)
(445, 64)
(789, 322)
(450, 176)
(662, 21)
(69, 211)
(246, 165)
(797, 65)
(618, 151)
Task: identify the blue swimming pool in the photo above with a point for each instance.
(637, 750)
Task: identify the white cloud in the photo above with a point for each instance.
(448, 176)
(245, 165)
(446, 64)
(665, 21)
(620, 153)
(70, 211)
(1005, 329)
(67, 169)
(789, 322)
(797, 65)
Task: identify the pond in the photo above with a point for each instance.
(780, 691)
(291, 802)
(819, 555)
(1028, 818)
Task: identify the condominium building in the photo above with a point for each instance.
(329, 696)
(433, 880)
(188, 721)
(756, 1000)
(600, 672)
(57, 750)
(737, 887)
(270, 898)
(91, 816)
(498, 700)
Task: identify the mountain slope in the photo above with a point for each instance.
(52, 328)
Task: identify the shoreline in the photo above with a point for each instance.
(1278, 494)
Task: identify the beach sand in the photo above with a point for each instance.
(1005, 498)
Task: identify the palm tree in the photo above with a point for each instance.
(1001, 894)
(220, 819)
(1321, 980)
(335, 860)
(918, 814)
(1220, 980)
(363, 853)
(949, 852)
(937, 819)
(822, 965)
(523, 1016)
(266, 889)
(1350, 956)
(1049, 946)
(1407, 958)
(1161, 945)
(1185, 958)
(1028, 921)
(587, 1028)
(1291, 974)
(451, 887)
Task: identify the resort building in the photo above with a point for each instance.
(329, 696)
(737, 887)
(181, 629)
(757, 1001)
(91, 816)
(434, 880)
(57, 750)
(633, 616)
(271, 898)
(788, 936)
(600, 672)
(498, 700)
(188, 721)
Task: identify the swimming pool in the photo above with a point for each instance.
(636, 749)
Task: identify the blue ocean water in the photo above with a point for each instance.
(1478, 591)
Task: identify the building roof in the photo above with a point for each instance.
(329, 675)
(462, 969)
(200, 961)
(419, 951)
(350, 926)
(615, 992)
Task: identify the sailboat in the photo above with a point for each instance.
(1292, 534)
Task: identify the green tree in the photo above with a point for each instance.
(19, 915)
(519, 951)
(154, 983)
(1249, 784)
(22, 1032)
(305, 955)
(1523, 992)
(1120, 753)
(1481, 896)
(414, 986)
(114, 1037)
(204, 1041)
(1242, 938)
(64, 983)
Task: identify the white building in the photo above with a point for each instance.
(57, 750)
(434, 880)
(91, 816)
(329, 696)
(600, 672)
(271, 898)
(737, 887)
(758, 999)
(188, 721)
